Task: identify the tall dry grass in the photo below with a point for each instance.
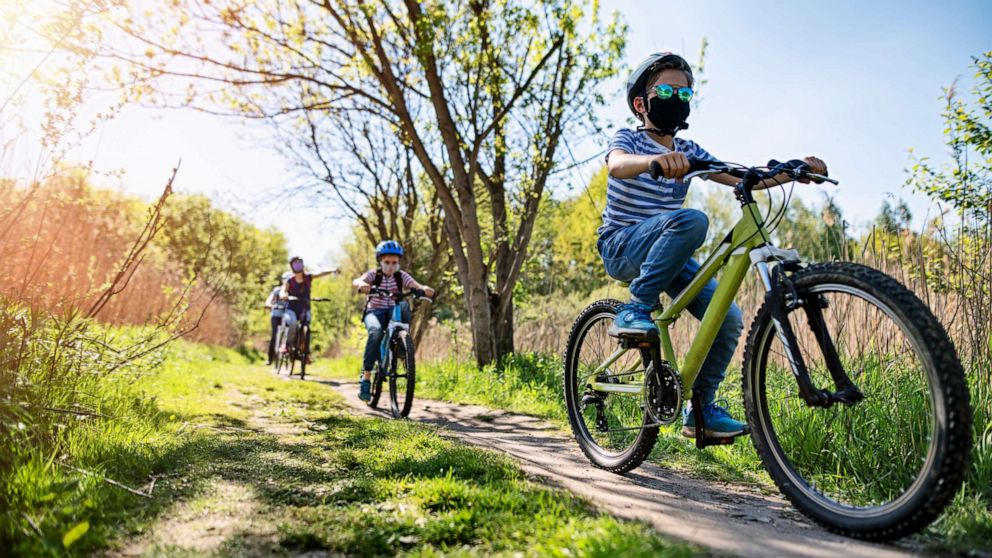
(62, 242)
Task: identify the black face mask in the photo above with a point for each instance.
(668, 115)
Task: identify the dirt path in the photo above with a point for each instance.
(726, 518)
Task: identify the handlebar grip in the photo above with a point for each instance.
(694, 166)
(797, 165)
(655, 169)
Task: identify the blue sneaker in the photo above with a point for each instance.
(365, 390)
(719, 423)
(633, 319)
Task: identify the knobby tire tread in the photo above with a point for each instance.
(647, 437)
(951, 464)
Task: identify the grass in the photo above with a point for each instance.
(250, 464)
(531, 384)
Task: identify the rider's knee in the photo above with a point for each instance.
(693, 222)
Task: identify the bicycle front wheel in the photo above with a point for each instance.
(880, 468)
(403, 378)
(282, 358)
(304, 343)
(377, 379)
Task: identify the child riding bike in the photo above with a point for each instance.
(647, 238)
(387, 277)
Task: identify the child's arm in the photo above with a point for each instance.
(361, 285)
(411, 283)
(627, 165)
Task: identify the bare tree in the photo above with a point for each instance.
(483, 94)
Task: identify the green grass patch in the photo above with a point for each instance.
(290, 471)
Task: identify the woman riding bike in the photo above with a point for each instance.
(296, 290)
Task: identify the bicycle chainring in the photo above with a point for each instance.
(663, 394)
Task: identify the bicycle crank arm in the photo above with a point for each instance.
(606, 387)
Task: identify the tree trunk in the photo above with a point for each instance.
(503, 327)
(480, 319)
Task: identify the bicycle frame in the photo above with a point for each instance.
(733, 256)
(395, 324)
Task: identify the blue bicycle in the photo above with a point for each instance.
(396, 357)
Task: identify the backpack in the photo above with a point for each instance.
(378, 281)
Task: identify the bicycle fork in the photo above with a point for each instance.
(781, 297)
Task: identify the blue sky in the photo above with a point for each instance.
(856, 83)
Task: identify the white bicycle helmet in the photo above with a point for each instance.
(637, 81)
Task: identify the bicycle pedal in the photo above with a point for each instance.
(720, 440)
(717, 441)
(639, 342)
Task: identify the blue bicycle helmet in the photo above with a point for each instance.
(388, 248)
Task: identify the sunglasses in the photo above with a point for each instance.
(665, 92)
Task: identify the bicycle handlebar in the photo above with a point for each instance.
(419, 293)
(751, 175)
(314, 299)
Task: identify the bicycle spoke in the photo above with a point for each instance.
(861, 455)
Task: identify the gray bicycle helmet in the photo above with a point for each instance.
(637, 81)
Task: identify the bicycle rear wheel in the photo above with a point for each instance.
(883, 467)
(403, 376)
(609, 427)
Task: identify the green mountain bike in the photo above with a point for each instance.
(855, 397)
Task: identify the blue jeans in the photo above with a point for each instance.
(376, 322)
(655, 256)
(290, 320)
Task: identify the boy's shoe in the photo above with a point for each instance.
(365, 390)
(633, 319)
(719, 423)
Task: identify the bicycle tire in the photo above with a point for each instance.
(305, 350)
(376, 390)
(405, 382)
(949, 445)
(615, 462)
(280, 355)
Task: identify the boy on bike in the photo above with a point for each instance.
(276, 308)
(296, 290)
(647, 238)
(379, 309)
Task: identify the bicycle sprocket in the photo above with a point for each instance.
(663, 394)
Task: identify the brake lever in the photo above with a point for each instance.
(821, 178)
